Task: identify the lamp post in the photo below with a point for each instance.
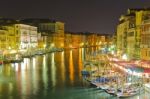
(124, 57)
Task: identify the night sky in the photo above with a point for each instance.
(79, 15)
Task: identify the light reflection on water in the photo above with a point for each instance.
(71, 68)
(62, 67)
(53, 70)
(50, 76)
(44, 72)
(80, 64)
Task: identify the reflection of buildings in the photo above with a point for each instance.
(53, 70)
(71, 67)
(63, 67)
(44, 72)
(81, 55)
(27, 76)
(7, 84)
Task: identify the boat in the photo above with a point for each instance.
(85, 73)
(59, 49)
(89, 72)
(16, 58)
(28, 54)
(111, 91)
(55, 50)
(147, 87)
(102, 83)
(104, 86)
(100, 80)
(40, 52)
(129, 91)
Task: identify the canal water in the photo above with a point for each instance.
(51, 76)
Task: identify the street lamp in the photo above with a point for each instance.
(124, 57)
(44, 46)
(9, 48)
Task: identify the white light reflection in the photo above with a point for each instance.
(83, 54)
(23, 77)
(53, 69)
(62, 66)
(15, 66)
(44, 61)
(34, 63)
(25, 65)
(44, 73)
(80, 60)
(34, 76)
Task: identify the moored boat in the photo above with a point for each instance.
(147, 87)
(129, 91)
(13, 58)
(111, 91)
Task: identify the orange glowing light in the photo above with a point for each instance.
(71, 69)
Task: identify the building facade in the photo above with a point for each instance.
(122, 29)
(145, 40)
(51, 30)
(129, 33)
(3, 40)
(26, 36)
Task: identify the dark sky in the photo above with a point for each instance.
(79, 15)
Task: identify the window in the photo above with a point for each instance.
(17, 32)
(131, 34)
